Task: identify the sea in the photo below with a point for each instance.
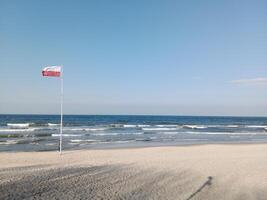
(41, 132)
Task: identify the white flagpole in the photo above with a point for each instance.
(61, 111)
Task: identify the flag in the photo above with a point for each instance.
(52, 71)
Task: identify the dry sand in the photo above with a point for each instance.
(192, 172)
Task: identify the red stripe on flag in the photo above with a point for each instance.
(51, 73)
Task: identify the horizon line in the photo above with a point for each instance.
(155, 115)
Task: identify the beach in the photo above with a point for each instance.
(178, 172)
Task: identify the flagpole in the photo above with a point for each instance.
(61, 111)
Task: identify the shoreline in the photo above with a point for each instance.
(122, 146)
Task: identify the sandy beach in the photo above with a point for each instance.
(188, 172)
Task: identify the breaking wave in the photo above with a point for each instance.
(6, 130)
(110, 133)
(67, 135)
(167, 126)
(53, 125)
(143, 125)
(257, 126)
(18, 125)
(129, 126)
(84, 129)
(228, 133)
(159, 129)
(194, 126)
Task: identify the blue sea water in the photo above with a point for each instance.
(41, 132)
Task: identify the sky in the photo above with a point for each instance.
(151, 57)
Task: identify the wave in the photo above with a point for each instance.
(232, 126)
(143, 125)
(129, 126)
(194, 126)
(227, 133)
(51, 144)
(9, 142)
(112, 142)
(167, 126)
(18, 126)
(51, 124)
(109, 133)
(169, 133)
(78, 141)
(96, 129)
(212, 126)
(20, 141)
(159, 129)
(257, 126)
(116, 125)
(67, 135)
(143, 139)
(209, 126)
(103, 134)
(16, 130)
(84, 129)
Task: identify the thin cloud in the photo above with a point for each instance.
(252, 81)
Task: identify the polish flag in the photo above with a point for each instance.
(52, 71)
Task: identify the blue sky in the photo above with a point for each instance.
(135, 57)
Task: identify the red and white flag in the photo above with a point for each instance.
(52, 71)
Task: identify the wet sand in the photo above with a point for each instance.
(189, 172)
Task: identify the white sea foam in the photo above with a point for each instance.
(222, 126)
(51, 144)
(167, 126)
(232, 126)
(123, 133)
(73, 129)
(96, 129)
(6, 130)
(67, 135)
(18, 126)
(192, 139)
(103, 134)
(83, 129)
(237, 126)
(143, 125)
(136, 133)
(50, 124)
(78, 141)
(129, 126)
(9, 142)
(227, 133)
(257, 126)
(159, 129)
(194, 126)
(112, 142)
